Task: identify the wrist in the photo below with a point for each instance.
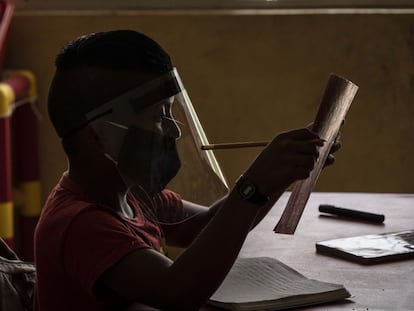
(249, 191)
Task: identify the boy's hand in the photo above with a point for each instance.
(289, 157)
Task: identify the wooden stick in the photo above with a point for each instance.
(336, 101)
(247, 144)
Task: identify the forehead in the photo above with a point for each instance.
(161, 89)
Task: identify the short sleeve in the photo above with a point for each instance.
(95, 240)
(168, 206)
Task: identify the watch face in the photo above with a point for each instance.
(247, 190)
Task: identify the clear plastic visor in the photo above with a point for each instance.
(154, 137)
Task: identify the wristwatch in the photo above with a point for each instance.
(249, 191)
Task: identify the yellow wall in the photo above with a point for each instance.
(252, 76)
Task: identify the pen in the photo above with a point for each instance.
(350, 213)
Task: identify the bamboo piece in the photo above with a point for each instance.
(336, 101)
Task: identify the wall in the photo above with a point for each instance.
(251, 76)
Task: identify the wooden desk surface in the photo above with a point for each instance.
(388, 286)
(381, 287)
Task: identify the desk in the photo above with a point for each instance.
(388, 286)
(385, 287)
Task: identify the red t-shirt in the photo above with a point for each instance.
(76, 240)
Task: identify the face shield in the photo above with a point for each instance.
(152, 134)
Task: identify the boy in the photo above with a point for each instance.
(96, 245)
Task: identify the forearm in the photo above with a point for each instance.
(214, 251)
(184, 233)
(262, 212)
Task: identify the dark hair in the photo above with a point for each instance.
(117, 49)
(92, 69)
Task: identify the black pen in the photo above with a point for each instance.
(350, 213)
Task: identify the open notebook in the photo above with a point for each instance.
(264, 283)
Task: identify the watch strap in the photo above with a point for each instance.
(249, 191)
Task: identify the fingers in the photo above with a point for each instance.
(298, 167)
(299, 160)
(304, 152)
(309, 147)
(302, 173)
(299, 142)
(306, 162)
(299, 134)
(329, 160)
(302, 139)
(335, 147)
(289, 157)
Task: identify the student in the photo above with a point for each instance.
(96, 248)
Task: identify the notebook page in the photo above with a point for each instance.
(263, 279)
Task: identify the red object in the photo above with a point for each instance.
(20, 84)
(95, 238)
(5, 161)
(6, 13)
(25, 143)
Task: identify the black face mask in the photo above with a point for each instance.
(148, 159)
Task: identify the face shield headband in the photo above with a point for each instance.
(141, 135)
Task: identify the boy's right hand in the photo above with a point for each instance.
(290, 156)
